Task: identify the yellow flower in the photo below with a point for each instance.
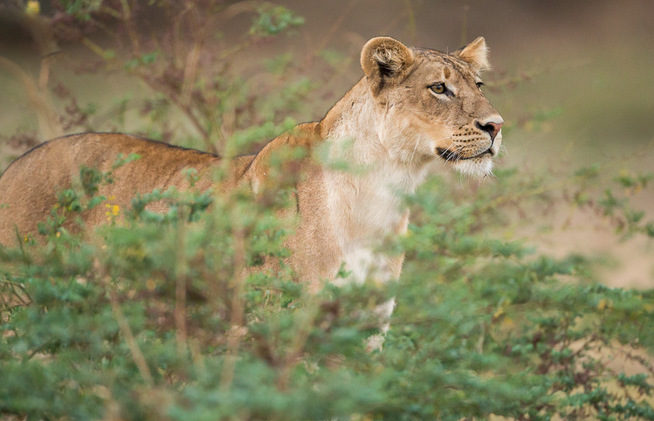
(507, 323)
(33, 7)
(604, 304)
(113, 210)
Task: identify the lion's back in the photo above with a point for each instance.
(29, 186)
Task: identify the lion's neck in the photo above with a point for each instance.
(356, 133)
(366, 201)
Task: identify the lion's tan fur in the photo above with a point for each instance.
(389, 123)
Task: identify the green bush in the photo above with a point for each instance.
(181, 316)
(160, 318)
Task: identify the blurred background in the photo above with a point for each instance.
(573, 81)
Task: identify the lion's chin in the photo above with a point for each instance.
(477, 167)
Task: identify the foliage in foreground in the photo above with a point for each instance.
(157, 318)
(160, 319)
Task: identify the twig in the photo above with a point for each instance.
(99, 51)
(464, 24)
(411, 24)
(47, 117)
(190, 73)
(186, 110)
(19, 296)
(129, 24)
(180, 290)
(299, 341)
(236, 319)
(125, 329)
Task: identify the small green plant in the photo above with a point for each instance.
(272, 20)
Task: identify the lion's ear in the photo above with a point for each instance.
(475, 54)
(384, 59)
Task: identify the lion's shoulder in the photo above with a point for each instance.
(303, 137)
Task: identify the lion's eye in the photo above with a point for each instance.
(438, 88)
(480, 84)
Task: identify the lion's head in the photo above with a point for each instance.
(433, 104)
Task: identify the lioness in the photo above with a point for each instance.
(412, 107)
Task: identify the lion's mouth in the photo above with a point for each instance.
(449, 155)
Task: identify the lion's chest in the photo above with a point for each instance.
(365, 213)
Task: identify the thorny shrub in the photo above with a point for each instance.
(174, 316)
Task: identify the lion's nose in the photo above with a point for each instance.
(491, 127)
